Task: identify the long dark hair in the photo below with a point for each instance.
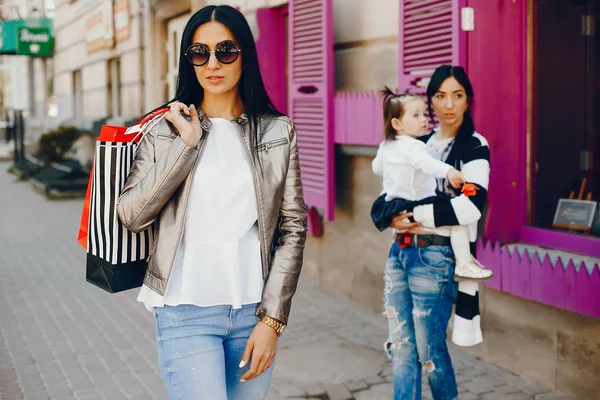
(442, 73)
(252, 90)
(393, 107)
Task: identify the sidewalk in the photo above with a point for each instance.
(61, 338)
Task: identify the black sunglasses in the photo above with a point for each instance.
(227, 52)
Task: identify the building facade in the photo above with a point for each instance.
(25, 79)
(98, 59)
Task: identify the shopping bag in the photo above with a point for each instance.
(116, 257)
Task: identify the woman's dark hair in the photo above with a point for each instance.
(252, 90)
(393, 107)
(442, 73)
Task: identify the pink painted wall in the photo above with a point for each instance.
(499, 77)
(497, 63)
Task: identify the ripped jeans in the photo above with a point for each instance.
(419, 291)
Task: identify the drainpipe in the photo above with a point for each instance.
(148, 86)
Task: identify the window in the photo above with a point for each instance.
(114, 87)
(567, 124)
(77, 95)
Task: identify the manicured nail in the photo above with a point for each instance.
(242, 380)
(242, 364)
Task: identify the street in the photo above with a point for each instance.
(62, 338)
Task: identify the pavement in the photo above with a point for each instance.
(63, 339)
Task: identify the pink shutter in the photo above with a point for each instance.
(311, 97)
(430, 35)
(270, 47)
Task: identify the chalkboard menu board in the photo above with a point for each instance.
(575, 214)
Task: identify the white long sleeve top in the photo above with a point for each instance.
(408, 170)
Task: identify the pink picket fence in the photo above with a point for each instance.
(358, 118)
(533, 278)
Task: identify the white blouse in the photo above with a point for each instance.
(218, 261)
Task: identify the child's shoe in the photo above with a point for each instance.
(472, 271)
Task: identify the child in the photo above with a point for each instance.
(409, 174)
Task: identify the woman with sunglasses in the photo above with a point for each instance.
(219, 176)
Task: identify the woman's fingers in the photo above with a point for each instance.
(401, 222)
(193, 112)
(195, 119)
(177, 106)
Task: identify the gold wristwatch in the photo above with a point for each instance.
(278, 326)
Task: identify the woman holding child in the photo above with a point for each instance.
(442, 179)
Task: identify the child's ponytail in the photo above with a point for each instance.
(393, 107)
(389, 133)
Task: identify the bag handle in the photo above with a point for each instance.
(144, 129)
(140, 123)
(144, 119)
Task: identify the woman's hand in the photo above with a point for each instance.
(262, 345)
(402, 223)
(190, 131)
(455, 177)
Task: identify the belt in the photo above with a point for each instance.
(414, 240)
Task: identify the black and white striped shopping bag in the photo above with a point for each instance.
(116, 257)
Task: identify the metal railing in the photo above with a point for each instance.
(12, 128)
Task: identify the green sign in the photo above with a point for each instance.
(35, 41)
(10, 36)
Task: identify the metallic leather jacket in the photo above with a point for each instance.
(158, 187)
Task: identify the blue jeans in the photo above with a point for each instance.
(419, 291)
(200, 349)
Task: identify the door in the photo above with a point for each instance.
(310, 98)
(498, 73)
(175, 29)
(271, 47)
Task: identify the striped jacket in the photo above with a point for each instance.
(471, 156)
